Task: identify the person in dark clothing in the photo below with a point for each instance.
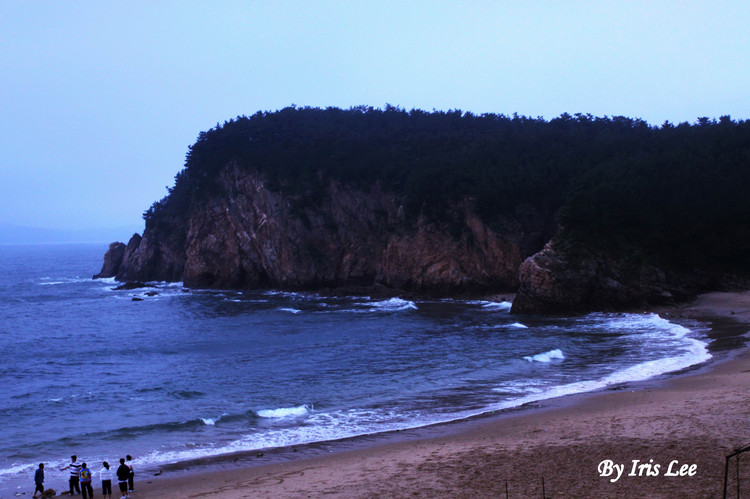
(123, 473)
(39, 480)
(74, 469)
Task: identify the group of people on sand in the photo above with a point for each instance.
(81, 478)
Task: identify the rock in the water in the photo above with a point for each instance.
(133, 285)
(112, 260)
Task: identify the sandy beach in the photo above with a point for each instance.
(680, 428)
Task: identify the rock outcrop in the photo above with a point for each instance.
(112, 261)
(244, 234)
(556, 282)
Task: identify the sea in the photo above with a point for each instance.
(169, 374)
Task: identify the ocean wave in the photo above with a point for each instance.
(48, 281)
(546, 356)
(648, 322)
(26, 468)
(285, 412)
(291, 294)
(694, 352)
(390, 305)
(518, 388)
(518, 325)
(134, 431)
(235, 418)
(290, 310)
(491, 305)
(186, 394)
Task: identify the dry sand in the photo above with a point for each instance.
(695, 418)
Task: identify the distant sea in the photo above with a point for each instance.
(178, 374)
(16, 234)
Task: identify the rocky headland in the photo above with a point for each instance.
(248, 236)
(238, 217)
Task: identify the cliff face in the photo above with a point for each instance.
(245, 235)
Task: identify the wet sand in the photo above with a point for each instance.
(694, 419)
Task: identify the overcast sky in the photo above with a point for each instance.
(100, 100)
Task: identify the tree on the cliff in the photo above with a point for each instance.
(672, 193)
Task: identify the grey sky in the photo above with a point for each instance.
(100, 100)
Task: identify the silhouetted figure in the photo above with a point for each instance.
(123, 474)
(39, 480)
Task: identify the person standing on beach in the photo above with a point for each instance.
(131, 476)
(85, 480)
(106, 475)
(73, 481)
(123, 474)
(39, 480)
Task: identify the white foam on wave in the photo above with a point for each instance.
(17, 469)
(546, 356)
(321, 427)
(48, 281)
(491, 305)
(170, 284)
(290, 310)
(521, 387)
(291, 294)
(208, 421)
(51, 471)
(518, 325)
(694, 351)
(649, 323)
(391, 305)
(285, 412)
(361, 307)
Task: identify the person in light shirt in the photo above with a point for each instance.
(106, 475)
(131, 477)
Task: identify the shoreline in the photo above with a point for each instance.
(696, 416)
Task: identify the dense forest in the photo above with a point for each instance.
(675, 195)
